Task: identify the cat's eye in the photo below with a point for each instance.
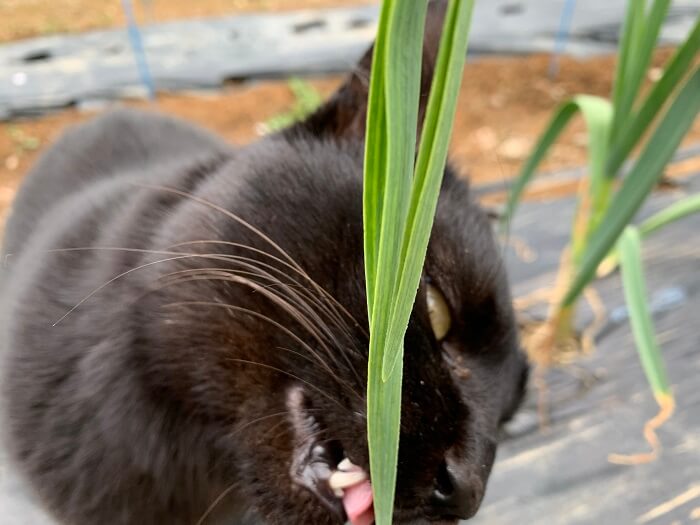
(439, 312)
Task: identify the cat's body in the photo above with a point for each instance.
(184, 329)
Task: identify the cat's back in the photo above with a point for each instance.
(83, 216)
(87, 195)
(98, 157)
(89, 192)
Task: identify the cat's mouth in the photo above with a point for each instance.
(322, 467)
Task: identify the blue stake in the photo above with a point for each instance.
(567, 16)
(138, 49)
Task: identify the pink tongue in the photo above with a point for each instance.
(357, 501)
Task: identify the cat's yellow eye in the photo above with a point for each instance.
(439, 312)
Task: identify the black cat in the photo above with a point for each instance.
(184, 328)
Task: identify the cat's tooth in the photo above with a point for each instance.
(346, 465)
(339, 493)
(341, 480)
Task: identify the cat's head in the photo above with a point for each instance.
(281, 345)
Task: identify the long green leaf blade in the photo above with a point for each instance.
(399, 63)
(401, 96)
(375, 161)
(672, 213)
(430, 168)
(561, 118)
(597, 113)
(634, 128)
(401, 74)
(629, 40)
(383, 425)
(645, 34)
(640, 181)
(634, 286)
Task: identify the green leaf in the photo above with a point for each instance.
(629, 41)
(306, 100)
(430, 167)
(672, 213)
(635, 127)
(400, 67)
(398, 207)
(401, 97)
(636, 56)
(307, 97)
(375, 163)
(561, 118)
(639, 183)
(383, 424)
(629, 248)
(597, 113)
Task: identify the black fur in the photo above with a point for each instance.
(162, 391)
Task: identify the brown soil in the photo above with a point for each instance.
(29, 18)
(504, 105)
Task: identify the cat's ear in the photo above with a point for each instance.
(343, 116)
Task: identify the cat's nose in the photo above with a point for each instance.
(458, 491)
